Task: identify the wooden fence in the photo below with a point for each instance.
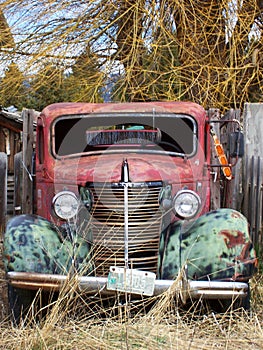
(252, 183)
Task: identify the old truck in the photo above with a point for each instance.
(128, 198)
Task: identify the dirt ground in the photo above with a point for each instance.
(3, 288)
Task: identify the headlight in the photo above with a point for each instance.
(65, 205)
(186, 204)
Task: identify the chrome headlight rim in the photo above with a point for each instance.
(186, 204)
(69, 208)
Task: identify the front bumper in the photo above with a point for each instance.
(187, 289)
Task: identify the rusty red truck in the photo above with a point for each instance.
(123, 199)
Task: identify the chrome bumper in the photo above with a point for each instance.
(187, 289)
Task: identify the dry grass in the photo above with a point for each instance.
(232, 332)
(75, 323)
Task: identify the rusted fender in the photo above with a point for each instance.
(33, 244)
(216, 246)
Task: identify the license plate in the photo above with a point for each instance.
(131, 281)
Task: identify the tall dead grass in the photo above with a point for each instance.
(77, 323)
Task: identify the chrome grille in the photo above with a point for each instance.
(108, 225)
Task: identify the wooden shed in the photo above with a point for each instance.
(11, 127)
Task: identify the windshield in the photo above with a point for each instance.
(174, 134)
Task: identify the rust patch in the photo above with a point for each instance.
(245, 253)
(233, 238)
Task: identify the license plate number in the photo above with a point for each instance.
(131, 281)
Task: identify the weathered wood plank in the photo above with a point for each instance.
(27, 157)
(3, 191)
(253, 170)
(253, 129)
(17, 209)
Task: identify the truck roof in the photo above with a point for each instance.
(72, 108)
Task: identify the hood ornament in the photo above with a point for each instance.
(125, 171)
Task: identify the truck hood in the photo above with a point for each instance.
(142, 168)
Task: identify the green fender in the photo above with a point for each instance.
(216, 246)
(33, 244)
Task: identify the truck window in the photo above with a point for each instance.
(174, 134)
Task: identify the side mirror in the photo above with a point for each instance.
(236, 144)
